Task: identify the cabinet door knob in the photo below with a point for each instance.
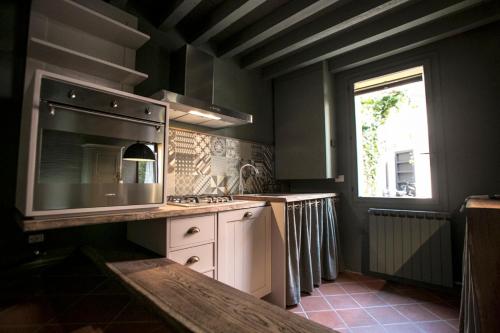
(193, 230)
(248, 214)
(192, 260)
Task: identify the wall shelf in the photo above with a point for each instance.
(90, 21)
(64, 57)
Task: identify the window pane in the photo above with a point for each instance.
(392, 136)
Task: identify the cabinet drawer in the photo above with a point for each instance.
(200, 258)
(185, 231)
(241, 214)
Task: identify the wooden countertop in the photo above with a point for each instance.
(194, 301)
(285, 197)
(64, 221)
(483, 203)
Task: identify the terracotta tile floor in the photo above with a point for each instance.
(73, 296)
(356, 303)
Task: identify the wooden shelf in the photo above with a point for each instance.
(64, 57)
(90, 21)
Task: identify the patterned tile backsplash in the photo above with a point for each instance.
(206, 164)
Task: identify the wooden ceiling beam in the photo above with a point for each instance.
(423, 35)
(178, 10)
(407, 18)
(282, 18)
(225, 15)
(345, 17)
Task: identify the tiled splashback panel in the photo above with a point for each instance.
(205, 164)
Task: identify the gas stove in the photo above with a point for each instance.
(198, 200)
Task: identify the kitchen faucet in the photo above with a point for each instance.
(241, 189)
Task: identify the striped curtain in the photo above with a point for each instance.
(312, 246)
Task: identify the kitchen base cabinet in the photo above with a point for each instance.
(188, 240)
(244, 250)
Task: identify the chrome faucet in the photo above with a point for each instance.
(241, 189)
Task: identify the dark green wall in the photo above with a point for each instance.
(466, 86)
(14, 18)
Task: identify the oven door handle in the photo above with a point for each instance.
(53, 106)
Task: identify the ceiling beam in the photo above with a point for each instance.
(403, 20)
(177, 11)
(432, 32)
(325, 26)
(223, 16)
(280, 19)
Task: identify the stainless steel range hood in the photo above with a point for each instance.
(192, 97)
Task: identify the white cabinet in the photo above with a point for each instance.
(188, 240)
(244, 250)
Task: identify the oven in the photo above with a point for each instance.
(93, 150)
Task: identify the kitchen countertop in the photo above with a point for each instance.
(57, 222)
(483, 203)
(285, 197)
(194, 301)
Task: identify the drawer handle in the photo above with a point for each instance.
(193, 230)
(192, 260)
(248, 214)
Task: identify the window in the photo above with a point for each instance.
(392, 138)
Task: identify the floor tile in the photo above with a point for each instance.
(386, 315)
(75, 266)
(109, 287)
(346, 277)
(436, 327)
(416, 312)
(354, 287)
(314, 303)
(368, 299)
(295, 308)
(95, 309)
(34, 310)
(66, 285)
(331, 289)
(394, 298)
(375, 285)
(368, 329)
(139, 328)
(342, 302)
(74, 328)
(402, 328)
(326, 318)
(343, 330)
(454, 322)
(18, 329)
(302, 314)
(443, 311)
(356, 317)
(136, 311)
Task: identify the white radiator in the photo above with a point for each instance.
(413, 245)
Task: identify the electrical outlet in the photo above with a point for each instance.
(36, 238)
(339, 179)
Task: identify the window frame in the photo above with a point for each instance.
(435, 133)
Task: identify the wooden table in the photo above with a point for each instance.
(194, 301)
(480, 306)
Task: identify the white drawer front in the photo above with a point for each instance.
(200, 258)
(241, 214)
(189, 230)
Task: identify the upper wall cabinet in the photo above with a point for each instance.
(305, 144)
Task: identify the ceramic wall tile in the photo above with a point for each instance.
(205, 164)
